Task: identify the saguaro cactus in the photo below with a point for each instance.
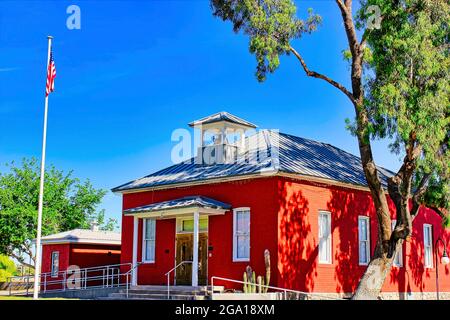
(252, 283)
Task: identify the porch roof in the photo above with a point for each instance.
(180, 203)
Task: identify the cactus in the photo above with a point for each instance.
(245, 283)
(260, 280)
(253, 284)
(267, 263)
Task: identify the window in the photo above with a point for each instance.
(187, 225)
(324, 237)
(428, 245)
(55, 263)
(364, 240)
(398, 259)
(241, 234)
(148, 254)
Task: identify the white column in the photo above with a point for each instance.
(135, 247)
(195, 249)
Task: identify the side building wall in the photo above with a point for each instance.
(298, 249)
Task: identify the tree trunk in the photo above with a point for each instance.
(372, 281)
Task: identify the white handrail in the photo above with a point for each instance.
(285, 290)
(127, 274)
(60, 278)
(168, 276)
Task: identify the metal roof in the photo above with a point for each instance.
(192, 201)
(222, 116)
(293, 155)
(83, 236)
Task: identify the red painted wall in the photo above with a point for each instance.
(64, 253)
(46, 267)
(257, 194)
(88, 259)
(284, 219)
(298, 265)
(68, 257)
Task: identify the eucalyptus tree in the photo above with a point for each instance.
(387, 104)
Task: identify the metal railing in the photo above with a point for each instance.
(168, 276)
(284, 291)
(107, 276)
(127, 274)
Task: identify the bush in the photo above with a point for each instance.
(7, 268)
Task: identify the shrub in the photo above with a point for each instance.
(7, 268)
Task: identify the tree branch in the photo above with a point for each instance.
(441, 213)
(321, 76)
(20, 260)
(421, 189)
(346, 12)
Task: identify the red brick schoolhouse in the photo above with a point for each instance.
(305, 201)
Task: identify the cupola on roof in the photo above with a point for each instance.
(222, 117)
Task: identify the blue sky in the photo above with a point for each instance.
(138, 70)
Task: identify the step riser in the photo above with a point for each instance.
(163, 292)
(154, 297)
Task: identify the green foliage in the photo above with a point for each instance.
(409, 90)
(405, 63)
(7, 268)
(270, 24)
(68, 204)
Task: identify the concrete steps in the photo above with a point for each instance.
(160, 293)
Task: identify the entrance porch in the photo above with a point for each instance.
(190, 266)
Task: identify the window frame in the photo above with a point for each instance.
(367, 241)
(144, 240)
(235, 235)
(329, 240)
(52, 269)
(399, 254)
(430, 265)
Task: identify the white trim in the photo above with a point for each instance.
(430, 264)
(235, 211)
(144, 240)
(195, 240)
(135, 248)
(54, 273)
(399, 254)
(172, 213)
(329, 241)
(105, 242)
(367, 241)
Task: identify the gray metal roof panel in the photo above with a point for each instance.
(222, 116)
(191, 201)
(295, 155)
(80, 235)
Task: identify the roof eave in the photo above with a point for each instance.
(248, 176)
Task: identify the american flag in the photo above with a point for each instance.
(51, 75)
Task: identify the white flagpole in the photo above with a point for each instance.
(37, 262)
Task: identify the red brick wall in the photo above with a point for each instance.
(298, 265)
(284, 219)
(257, 194)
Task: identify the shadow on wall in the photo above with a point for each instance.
(298, 242)
(345, 207)
(296, 257)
